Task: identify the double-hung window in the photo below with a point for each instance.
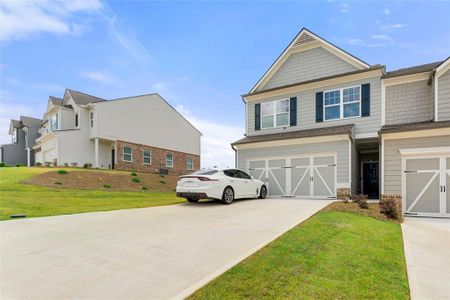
(342, 103)
(275, 114)
(190, 163)
(15, 136)
(147, 157)
(127, 154)
(91, 117)
(54, 122)
(169, 161)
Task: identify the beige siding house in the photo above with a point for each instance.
(322, 123)
(125, 134)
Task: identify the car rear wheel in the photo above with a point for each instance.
(263, 192)
(228, 195)
(192, 199)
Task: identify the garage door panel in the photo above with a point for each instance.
(427, 199)
(300, 162)
(257, 164)
(447, 200)
(422, 164)
(325, 160)
(300, 181)
(324, 181)
(277, 163)
(415, 183)
(277, 182)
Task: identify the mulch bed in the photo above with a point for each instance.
(373, 210)
(96, 180)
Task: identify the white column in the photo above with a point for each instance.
(96, 153)
(28, 157)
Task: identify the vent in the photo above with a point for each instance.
(303, 39)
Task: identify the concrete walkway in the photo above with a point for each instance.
(150, 253)
(427, 253)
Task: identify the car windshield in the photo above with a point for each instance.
(204, 172)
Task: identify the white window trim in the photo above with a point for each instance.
(171, 166)
(131, 154)
(274, 114)
(91, 119)
(187, 163)
(143, 157)
(341, 104)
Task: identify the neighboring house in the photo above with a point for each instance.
(142, 133)
(24, 133)
(322, 123)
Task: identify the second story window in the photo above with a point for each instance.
(190, 163)
(275, 114)
(15, 136)
(127, 154)
(54, 122)
(342, 104)
(147, 157)
(76, 120)
(91, 118)
(169, 161)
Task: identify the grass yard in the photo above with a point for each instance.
(333, 255)
(36, 201)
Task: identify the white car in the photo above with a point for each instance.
(225, 185)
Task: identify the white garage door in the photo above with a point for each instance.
(425, 185)
(301, 176)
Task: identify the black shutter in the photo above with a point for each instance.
(293, 111)
(319, 107)
(365, 100)
(257, 116)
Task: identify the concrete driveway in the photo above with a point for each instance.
(150, 253)
(427, 253)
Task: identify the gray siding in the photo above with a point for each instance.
(32, 135)
(306, 110)
(15, 153)
(356, 174)
(444, 97)
(306, 65)
(409, 103)
(393, 160)
(340, 147)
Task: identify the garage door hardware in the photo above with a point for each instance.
(406, 171)
(442, 188)
(333, 165)
(287, 167)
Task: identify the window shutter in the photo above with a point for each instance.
(293, 111)
(319, 107)
(365, 100)
(257, 116)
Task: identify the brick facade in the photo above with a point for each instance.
(158, 159)
(343, 193)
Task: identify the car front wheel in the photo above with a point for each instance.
(228, 195)
(192, 199)
(263, 192)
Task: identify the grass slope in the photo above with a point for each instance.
(37, 201)
(333, 255)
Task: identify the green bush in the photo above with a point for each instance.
(58, 182)
(2, 165)
(62, 172)
(144, 188)
(161, 175)
(162, 182)
(136, 180)
(74, 164)
(38, 164)
(66, 164)
(47, 163)
(107, 186)
(389, 205)
(20, 165)
(87, 165)
(133, 174)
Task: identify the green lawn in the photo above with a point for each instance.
(34, 201)
(333, 255)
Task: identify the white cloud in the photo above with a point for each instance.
(344, 8)
(25, 19)
(382, 37)
(215, 148)
(392, 26)
(99, 76)
(387, 11)
(49, 87)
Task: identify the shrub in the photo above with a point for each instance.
(161, 175)
(162, 182)
(87, 165)
(62, 172)
(363, 204)
(107, 186)
(144, 188)
(358, 198)
(38, 164)
(74, 164)
(55, 163)
(66, 164)
(2, 165)
(58, 182)
(133, 174)
(389, 206)
(20, 165)
(136, 180)
(47, 163)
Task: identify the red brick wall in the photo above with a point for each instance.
(158, 159)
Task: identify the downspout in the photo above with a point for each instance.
(235, 155)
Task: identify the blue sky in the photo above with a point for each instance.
(200, 56)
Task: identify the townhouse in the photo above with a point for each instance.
(322, 123)
(24, 133)
(143, 133)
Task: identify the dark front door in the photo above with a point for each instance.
(113, 158)
(370, 180)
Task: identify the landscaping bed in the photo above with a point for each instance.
(339, 253)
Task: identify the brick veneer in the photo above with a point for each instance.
(343, 193)
(397, 199)
(158, 159)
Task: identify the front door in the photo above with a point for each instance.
(113, 156)
(370, 180)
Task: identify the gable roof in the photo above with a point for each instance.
(83, 98)
(28, 121)
(413, 70)
(55, 100)
(304, 37)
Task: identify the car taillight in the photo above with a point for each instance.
(201, 178)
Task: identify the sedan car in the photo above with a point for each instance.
(225, 185)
